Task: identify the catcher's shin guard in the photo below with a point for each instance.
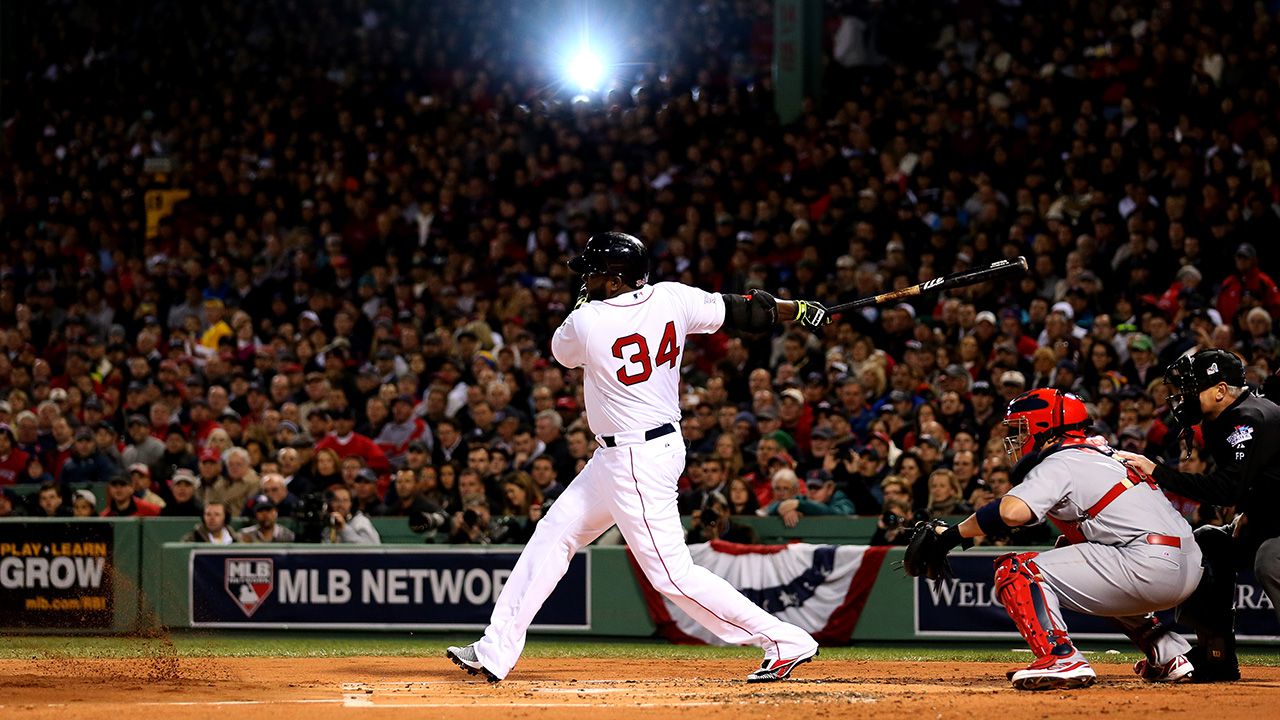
(1019, 589)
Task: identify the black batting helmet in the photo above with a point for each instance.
(614, 253)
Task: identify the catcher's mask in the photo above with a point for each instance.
(1039, 416)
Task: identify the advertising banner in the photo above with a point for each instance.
(966, 606)
(369, 588)
(821, 588)
(55, 575)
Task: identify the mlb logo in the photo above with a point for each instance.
(249, 581)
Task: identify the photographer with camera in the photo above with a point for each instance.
(894, 525)
(343, 526)
(714, 522)
(897, 515)
(424, 516)
(471, 526)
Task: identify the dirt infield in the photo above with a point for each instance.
(315, 688)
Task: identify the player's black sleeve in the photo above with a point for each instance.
(753, 313)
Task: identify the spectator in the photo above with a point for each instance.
(543, 472)
(912, 470)
(894, 488)
(423, 514)
(35, 473)
(13, 461)
(265, 529)
(177, 454)
(547, 427)
(108, 441)
(87, 464)
(893, 526)
(715, 522)
(84, 504)
(364, 495)
(450, 446)
(143, 446)
(234, 487)
(274, 487)
(327, 470)
(346, 442)
(344, 525)
(742, 499)
(10, 504)
(472, 525)
(785, 484)
(49, 501)
(945, 495)
(1247, 278)
(822, 499)
(523, 505)
(403, 429)
(212, 527)
(140, 476)
(183, 487)
(122, 503)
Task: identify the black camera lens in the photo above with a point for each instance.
(470, 517)
(710, 517)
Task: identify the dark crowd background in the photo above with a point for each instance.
(254, 252)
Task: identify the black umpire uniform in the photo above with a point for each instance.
(1244, 442)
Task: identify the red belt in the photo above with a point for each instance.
(1170, 540)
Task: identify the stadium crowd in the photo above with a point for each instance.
(242, 269)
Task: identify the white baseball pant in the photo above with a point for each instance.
(634, 486)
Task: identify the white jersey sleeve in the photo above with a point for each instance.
(569, 343)
(1045, 488)
(704, 311)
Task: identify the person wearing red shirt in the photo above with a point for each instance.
(122, 503)
(345, 441)
(12, 460)
(1247, 278)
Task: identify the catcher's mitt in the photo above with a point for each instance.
(927, 552)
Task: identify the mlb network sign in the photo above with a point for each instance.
(369, 588)
(966, 606)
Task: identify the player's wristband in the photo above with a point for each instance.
(993, 526)
(950, 538)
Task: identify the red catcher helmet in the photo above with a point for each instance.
(1038, 416)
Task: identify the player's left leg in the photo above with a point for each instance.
(576, 518)
(644, 506)
(1033, 606)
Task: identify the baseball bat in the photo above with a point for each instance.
(994, 271)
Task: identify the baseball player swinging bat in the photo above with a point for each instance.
(994, 271)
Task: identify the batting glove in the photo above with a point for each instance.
(811, 314)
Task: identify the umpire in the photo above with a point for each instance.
(1242, 433)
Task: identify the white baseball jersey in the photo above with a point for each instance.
(631, 347)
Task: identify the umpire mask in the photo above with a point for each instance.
(1191, 375)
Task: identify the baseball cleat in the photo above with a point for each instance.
(466, 658)
(1178, 669)
(774, 670)
(1055, 673)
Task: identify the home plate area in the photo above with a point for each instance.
(596, 688)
